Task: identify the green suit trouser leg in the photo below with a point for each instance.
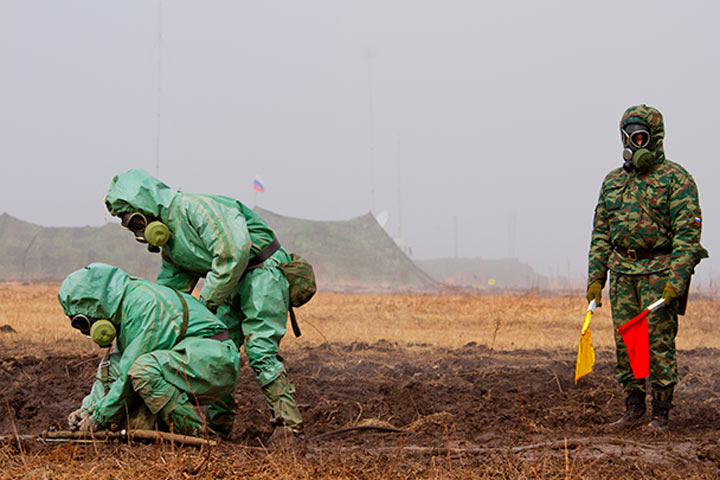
(138, 415)
(221, 415)
(629, 295)
(264, 301)
(197, 371)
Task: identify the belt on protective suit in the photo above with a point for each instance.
(264, 254)
(221, 337)
(642, 253)
(254, 262)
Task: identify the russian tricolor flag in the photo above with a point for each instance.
(258, 184)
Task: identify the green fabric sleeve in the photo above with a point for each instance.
(686, 220)
(97, 392)
(224, 234)
(172, 276)
(600, 244)
(90, 402)
(141, 325)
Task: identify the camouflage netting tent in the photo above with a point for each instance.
(32, 253)
(355, 254)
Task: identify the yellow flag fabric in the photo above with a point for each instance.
(586, 353)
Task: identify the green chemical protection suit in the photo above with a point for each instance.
(215, 237)
(171, 356)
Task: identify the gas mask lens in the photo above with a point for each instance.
(82, 323)
(135, 222)
(635, 136)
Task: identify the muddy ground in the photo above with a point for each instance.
(468, 412)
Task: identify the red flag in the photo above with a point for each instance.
(635, 335)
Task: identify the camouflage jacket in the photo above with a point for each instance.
(653, 210)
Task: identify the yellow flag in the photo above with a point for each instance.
(586, 353)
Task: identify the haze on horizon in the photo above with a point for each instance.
(503, 115)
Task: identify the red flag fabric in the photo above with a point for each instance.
(635, 335)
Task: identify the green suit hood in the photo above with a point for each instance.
(651, 118)
(138, 191)
(96, 291)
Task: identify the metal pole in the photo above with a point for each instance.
(158, 91)
(455, 221)
(399, 188)
(512, 236)
(370, 54)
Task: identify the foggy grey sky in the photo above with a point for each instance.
(488, 109)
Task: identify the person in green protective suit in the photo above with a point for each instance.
(228, 244)
(646, 232)
(172, 355)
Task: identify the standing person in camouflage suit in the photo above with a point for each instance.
(646, 231)
(236, 252)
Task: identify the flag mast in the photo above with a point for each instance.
(258, 186)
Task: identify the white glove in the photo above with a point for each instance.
(88, 423)
(75, 419)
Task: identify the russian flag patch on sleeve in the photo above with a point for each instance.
(698, 221)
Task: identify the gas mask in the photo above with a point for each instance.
(102, 332)
(148, 230)
(635, 139)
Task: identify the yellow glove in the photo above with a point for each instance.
(594, 292)
(669, 294)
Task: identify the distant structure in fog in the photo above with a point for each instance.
(512, 235)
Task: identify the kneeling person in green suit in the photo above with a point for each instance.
(172, 355)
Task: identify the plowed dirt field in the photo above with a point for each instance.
(467, 411)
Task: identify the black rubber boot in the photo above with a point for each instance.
(634, 411)
(661, 405)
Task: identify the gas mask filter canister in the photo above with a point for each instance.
(146, 230)
(157, 233)
(102, 332)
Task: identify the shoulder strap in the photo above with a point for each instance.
(293, 322)
(648, 211)
(265, 253)
(105, 370)
(186, 316)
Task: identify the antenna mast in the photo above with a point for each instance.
(158, 90)
(399, 186)
(370, 54)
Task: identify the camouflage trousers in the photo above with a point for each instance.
(629, 295)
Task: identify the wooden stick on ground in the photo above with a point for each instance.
(170, 437)
(148, 435)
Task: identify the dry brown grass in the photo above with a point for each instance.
(502, 322)
(100, 462)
